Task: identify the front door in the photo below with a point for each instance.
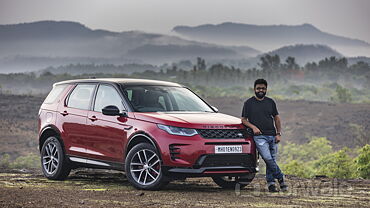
(107, 134)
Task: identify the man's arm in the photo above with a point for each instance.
(245, 121)
(278, 127)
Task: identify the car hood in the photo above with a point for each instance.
(199, 120)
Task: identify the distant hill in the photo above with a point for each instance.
(305, 53)
(50, 30)
(177, 51)
(268, 37)
(78, 69)
(48, 42)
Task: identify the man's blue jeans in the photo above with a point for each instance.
(267, 148)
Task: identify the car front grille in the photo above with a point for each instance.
(222, 133)
(224, 160)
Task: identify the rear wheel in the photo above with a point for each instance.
(229, 182)
(143, 168)
(54, 164)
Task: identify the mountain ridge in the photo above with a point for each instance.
(304, 53)
(268, 37)
(68, 39)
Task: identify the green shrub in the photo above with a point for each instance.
(315, 149)
(342, 95)
(336, 165)
(28, 161)
(5, 161)
(363, 162)
(297, 168)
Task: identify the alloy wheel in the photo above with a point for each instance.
(50, 158)
(145, 167)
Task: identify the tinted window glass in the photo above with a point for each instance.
(54, 93)
(81, 96)
(107, 95)
(161, 98)
(129, 94)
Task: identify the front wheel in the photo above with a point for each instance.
(143, 168)
(229, 182)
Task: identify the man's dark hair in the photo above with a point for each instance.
(260, 81)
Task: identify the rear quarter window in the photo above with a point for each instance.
(54, 93)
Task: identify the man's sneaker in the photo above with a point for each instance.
(272, 188)
(283, 188)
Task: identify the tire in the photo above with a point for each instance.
(54, 163)
(143, 168)
(229, 182)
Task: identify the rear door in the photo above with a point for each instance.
(73, 119)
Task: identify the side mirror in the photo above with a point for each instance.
(112, 110)
(215, 109)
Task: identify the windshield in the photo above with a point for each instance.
(164, 99)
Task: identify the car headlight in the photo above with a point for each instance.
(177, 130)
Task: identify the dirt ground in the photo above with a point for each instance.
(93, 188)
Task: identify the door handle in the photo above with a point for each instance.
(128, 128)
(64, 113)
(93, 118)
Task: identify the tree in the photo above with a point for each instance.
(290, 64)
(269, 63)
(311, 66)
(201, 63)
(360, 67)
(334, 63)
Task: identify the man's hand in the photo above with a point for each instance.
(256, 131)
(277, 139)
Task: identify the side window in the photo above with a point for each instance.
(54, 93)
(81, 96)
(129, 94)
(107, 95)
(162, 102)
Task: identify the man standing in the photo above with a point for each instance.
(260, 113)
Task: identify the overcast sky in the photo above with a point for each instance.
(348, 18)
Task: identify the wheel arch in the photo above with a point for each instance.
(46, 133)
(141, 137)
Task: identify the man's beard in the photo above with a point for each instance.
(260, 95)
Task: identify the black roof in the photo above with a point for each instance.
(122, 81)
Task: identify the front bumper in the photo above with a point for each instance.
(206, 171)
(217, 164)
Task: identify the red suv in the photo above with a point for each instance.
(155, 131)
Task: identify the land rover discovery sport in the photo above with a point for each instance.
(155, 131)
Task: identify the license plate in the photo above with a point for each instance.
(228, 149)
